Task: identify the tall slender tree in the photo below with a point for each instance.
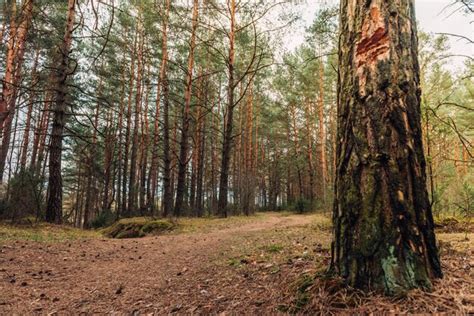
(186, 115)
(60, 75)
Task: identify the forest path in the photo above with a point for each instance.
(234, 268)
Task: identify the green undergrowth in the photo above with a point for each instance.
(42, 232)
(138, 227)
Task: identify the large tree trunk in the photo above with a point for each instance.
(228, 127)
(383, 225)
(183, 144)
(54, 208)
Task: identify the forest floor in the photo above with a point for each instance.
(264, 264)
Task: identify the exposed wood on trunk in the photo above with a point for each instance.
(383, 225)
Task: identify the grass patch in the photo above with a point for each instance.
(138, 227)
(209, 224)
(303, 284)
(42, 232)
(273, 248)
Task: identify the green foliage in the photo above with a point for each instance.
(465, 200)
(25, 196)
(301, 206)
(104, 219)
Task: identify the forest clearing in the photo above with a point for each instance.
(264, 265)
(236, 157)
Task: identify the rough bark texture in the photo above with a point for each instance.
(229, 119)
(183, 144)
(383, 225)
(54, 208)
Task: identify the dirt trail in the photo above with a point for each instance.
(172, 273)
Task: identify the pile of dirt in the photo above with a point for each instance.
(138, 227)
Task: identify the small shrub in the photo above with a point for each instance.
(104, 219)
(301, 206)
(25, 196)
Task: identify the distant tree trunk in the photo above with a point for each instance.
(54, 210)
(183, 153)
(383, 225)
(322, 132)
(214, 156)
(29, 114)
(144, 152)
(133, 183)
(119, 208)
(309, 148)
(39, 141)
(14, 62)
(201, 158)
(153, 178)
(91, 163)
(227, 143)
(128, 128)
(109, 149)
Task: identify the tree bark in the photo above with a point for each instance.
(183, 153)
(54, 210)
(322, 131)
(133, 183)
(227, 143)
(29, 114)
(14, 62)
(383, 225)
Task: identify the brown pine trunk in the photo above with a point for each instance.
(167, 193)
(54, 210)
(229, 120)
(201, 157)
(126, 151)
(39, 140)
(156, 136)
(119, 160)
(29, 114)
(144, 152)
(133, 183)
(108, 159)
(91, 162)
(322, 132)
(183, 153)
(383, 225)
(14, 62)
(309, 148)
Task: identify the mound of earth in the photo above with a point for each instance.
(138, 227)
